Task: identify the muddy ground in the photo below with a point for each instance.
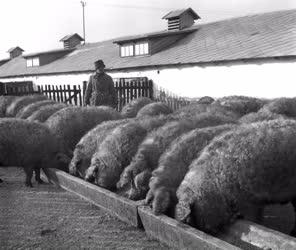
(47, 217)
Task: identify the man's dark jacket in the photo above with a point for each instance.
(100, 90)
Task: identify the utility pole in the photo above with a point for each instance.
(83, 3)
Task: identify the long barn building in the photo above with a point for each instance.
(252, 55)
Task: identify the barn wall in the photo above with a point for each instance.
(269, 79)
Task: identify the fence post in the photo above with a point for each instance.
(75, 92)
(150, 85)
(84, 85)
(69, 94)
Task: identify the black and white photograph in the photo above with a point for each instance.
(135, 124)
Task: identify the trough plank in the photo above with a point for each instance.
(179, 235)
(243, 231)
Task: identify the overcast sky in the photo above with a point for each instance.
(37, 25)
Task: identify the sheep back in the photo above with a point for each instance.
(44, 112)
(174, 163)
(147, 156)
(131, 109)
(21, 102)
(282, 106)
(28, 110)
(26, 144)
(241, 105)
(88, 144)
(115, 152)
(71, 123)
(253, 164)
(261, 115)
(154, 109)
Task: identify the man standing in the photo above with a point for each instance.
(100, 89)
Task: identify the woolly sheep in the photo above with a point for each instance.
(45, 112)
(31, 108)
(29, 145)
(88, 145)
(260, 116)
(193, 109)
(114, 153)
(71, 123)
(138, 173)
(282, 106)
(154, 109)
(251, 166)
(131, 109)
(174, 163)
(21, 102)
(149, 124)
(5, 101)
(241, 105)
(206, 100)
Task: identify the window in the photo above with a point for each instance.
(127, 50)
(141, 49)
(135, 49)
(33, 62)
(29, 63)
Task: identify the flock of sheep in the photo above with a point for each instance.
(205, 164)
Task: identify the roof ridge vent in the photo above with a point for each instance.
(15, 52)
(71, 41)
(181, 19)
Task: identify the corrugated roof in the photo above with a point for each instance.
(177, 13)
(257, 36)
(48, 52)
(162, 33)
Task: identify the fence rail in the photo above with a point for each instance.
(172, 100)
(127, 89)
(69, 94)
(16, 88)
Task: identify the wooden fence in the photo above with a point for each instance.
(172, 100)
(130, 88)
(16, 88)
(127, 90)
(69, 94)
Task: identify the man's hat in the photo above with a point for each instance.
(99, 64)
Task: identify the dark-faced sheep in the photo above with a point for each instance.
(282, 106)
(88, 145)
(154, 109)
(70, 124)
(114, 153)
(131, 109)
(43, 113)
(26, 111)
(138, 173)
(29, 145)
(5, 101)
(21, 102)
(173, 165)
(251, 166)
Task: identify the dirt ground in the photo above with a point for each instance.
(47, 217)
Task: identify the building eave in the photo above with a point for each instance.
(161, 66)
